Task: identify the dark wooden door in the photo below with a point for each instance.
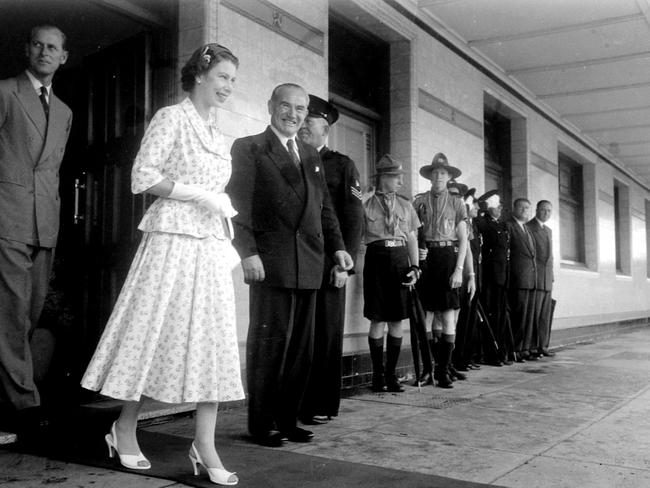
(497, 157)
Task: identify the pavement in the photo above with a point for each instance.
(580, 419)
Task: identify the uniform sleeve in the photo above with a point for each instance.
(351, 214)
(240, 189)
(415, 223)
(461, 211)
(156, 146)
(330, 222)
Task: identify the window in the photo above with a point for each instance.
(622, 227)
(572, 236)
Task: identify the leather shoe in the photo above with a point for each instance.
(298, 435)
(507, 362)
(392, 384)
(494, 362)
(532, 357)
(548, 354)
(272, 438)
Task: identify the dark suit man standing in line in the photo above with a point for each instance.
(323, 395)
(286, 224)
(34, 128)
(544, 284)
(522, 278)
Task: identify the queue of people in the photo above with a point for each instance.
(299, 217)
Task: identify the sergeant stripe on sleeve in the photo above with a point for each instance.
(357, 193)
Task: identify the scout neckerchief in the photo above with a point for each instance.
(442, 212)
(387, 202)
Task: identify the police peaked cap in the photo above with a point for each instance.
(322, 108)
(439, 161)
(457, 188)
(487, 195)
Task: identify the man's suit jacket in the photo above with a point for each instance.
(494, 251)
(543, 254)
(285, 218)
(522, 257)
(31, 150)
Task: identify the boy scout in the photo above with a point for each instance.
(390, 234)
(443, 219)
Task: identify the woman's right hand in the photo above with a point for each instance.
(218, 203)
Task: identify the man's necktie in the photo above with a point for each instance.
(291, 147)
(43, 97)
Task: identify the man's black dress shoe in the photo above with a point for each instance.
(298, 435)
(272, 438)
(494, 362)
(548, 354)
(507, 362)
(521, 359)
(532, 357)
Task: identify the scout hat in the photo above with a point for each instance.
(456, 188)
(322, 108)
(490, 199)
(439, 161)
(388, 166)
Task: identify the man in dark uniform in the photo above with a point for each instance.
(323, 395)
(285, 225)
(34, 129)
(495, 252)
(444, 228)
(544, 283)
(521, 279)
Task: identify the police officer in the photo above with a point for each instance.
(323, 395)
(390, 234)
(444, 224)
(495, 252)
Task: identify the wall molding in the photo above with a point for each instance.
(544, 164)
(443, 110)
(279, 21)
(603, 196)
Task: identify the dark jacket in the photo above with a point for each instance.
(285, 218)
(31, 150)
(543, 254)
(494, 251)
(522, 257)
(343, 184)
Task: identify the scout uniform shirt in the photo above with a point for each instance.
(388, 217)
(440, 215)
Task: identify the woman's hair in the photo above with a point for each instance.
(202, 60)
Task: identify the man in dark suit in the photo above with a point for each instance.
(323, 396)
(495, 252)
(34, 128)
(286, 224)
(544, 283)
(521, 279)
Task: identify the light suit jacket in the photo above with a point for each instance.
(31, 150)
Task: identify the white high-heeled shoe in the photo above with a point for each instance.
(217, 475)
(131, 461)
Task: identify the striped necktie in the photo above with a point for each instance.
(43, 98)
(291, 147)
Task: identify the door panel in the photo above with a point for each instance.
(356, 139)
(119, 96)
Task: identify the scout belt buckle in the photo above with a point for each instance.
(390, 243)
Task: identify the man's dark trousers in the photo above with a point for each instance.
(278, 357)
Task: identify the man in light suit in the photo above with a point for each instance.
(544, 283)
(521, 279)
(34, 128)
(285, 225)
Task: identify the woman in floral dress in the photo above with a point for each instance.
(172, 334)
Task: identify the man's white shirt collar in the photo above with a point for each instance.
(36, 83)
(283, 138)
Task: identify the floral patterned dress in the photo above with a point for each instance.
(172, 334)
